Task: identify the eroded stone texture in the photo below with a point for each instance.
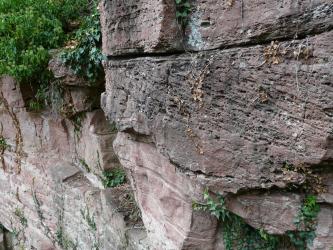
(274, 212)
(214, 23)
(230, 120)
(137, 26)
(252, 118)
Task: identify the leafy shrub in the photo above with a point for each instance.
(28, 29)
(86, 57)
(113, 177)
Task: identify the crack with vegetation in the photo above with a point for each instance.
(41, 217)
(305, 223)
(61, 238)
(183, 9)
(19, 232)
(90, 220)
(18, 136)
(3, 147)
(237, 234)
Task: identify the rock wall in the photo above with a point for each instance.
(238, 100)
(52, 163)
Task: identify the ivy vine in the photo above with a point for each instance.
(237, 234)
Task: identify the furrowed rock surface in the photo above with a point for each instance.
(248, 114)
(227, 115)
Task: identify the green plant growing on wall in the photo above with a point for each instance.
(113, 127)
(113, 177)
(84, 164)
(305, 223)
(19, 232)
(183, 9)
(237, 234)
(64, 241)
(89, 218)
(23, 220)
(3, 144)
(86, 57)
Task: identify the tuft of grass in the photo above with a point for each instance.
(23, 220)
(183, 9)
(113, 177)
(3, 144)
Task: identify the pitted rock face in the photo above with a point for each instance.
(251, 117)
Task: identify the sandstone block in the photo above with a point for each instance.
(136, 26)
(234, 115)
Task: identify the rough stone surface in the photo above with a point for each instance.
(168, 216)
(232, 120)
(52, 195)
(138, 27)
(135, 26)
(324, 232)
(214, 24)
(252, 118)
(273, 212)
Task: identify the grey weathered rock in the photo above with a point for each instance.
(228, 115)
(215, 24)
(232, 120)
